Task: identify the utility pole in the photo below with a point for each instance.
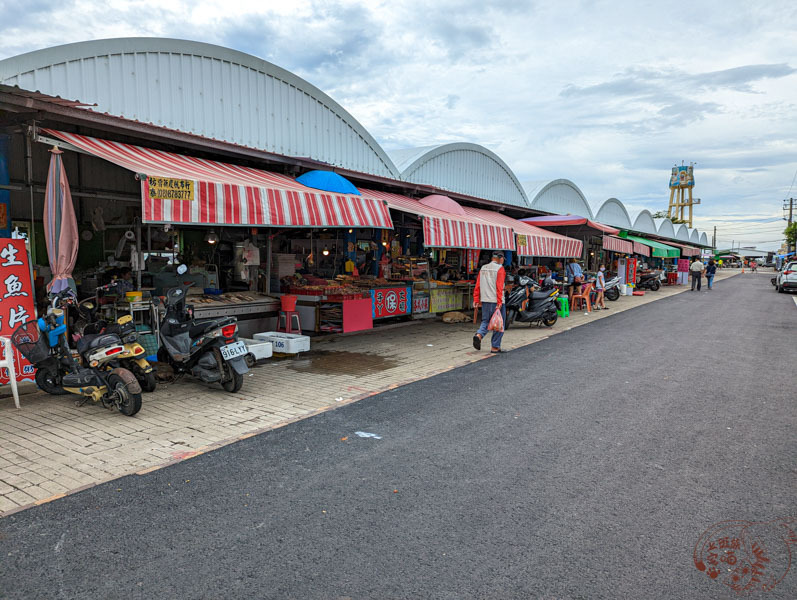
(714, 239)
(791, 214)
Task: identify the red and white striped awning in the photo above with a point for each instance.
(445, 230)
(640, 248)
(226, 194)
(531, 240)
(616, 244)
(685, 250)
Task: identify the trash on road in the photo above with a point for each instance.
(365, 434)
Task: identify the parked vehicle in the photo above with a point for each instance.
(43, 343)
(649, 281)
(529, 303)
(133, 357)
(208, 349)
(786, 280)
(612, 289)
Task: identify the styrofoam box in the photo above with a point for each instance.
(287, 343)
(258, 348)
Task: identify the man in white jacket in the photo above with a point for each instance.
(489, 294)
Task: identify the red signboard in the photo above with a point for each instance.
(16, 300)
(630, 271)
(390, 302)
(420, 304)
(683, 265)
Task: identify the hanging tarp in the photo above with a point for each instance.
(657, 249)
(616, 244)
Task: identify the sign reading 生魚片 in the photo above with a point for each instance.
(168, 188)
(16, 300)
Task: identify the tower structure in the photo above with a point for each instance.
(681, 180)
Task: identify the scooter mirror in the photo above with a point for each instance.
(182, 270)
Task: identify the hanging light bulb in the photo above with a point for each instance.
(325, 251)
(351, 230)
(211, 237)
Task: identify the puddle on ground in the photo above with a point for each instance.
(325, 362)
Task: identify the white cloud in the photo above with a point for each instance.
(607, 94)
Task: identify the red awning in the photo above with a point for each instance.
(616, 244)
(642, 249)
(532, 241)
(443, 229)
(226, 194)
(685, 250)
(569, 221)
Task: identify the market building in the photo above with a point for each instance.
(186, 152)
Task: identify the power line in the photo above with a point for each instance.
(792, 183)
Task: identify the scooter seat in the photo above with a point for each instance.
(199, 328)
(87, 342)
(540, 295)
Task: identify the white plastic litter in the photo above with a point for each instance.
(365, 434)
(339, 399)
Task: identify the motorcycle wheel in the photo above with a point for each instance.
(147, 381)
(510, 318)
(234, 383)
(551, 321)
(47, 380)
(613, 294)
(655, 285)
(129, 403)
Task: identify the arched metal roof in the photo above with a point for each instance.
(644, 223)
(464, 168)
(665, 228)
(704, 239)
(613, 212)
(559, 197)
(206, 90)
(682, 233)
(694, 236)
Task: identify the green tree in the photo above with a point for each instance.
(663, 215)
(791, 234)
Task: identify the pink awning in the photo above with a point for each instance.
(446, 230)
(685, 250)
(569, 221)
(532, 241)
(642, 249)
(616, 244)
(226, 194)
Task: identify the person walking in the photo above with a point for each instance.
(489, 295)
(711, 271)
(600, 287)
(696, 269)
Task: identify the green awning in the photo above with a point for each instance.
(656, 248)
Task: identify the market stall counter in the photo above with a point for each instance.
(255, 312)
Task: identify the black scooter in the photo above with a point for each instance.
(529, 303)
(208, 349)
(649, 281)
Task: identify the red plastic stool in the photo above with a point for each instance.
(289, 322)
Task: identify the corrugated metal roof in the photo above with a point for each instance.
(203, 89)
(560, 197)
(613, 212)
(463, 168)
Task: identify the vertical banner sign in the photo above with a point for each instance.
(630, 272)
(473, 260)
(16, 300)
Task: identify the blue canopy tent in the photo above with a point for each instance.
(328, 181)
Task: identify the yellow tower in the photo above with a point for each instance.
(681, 180)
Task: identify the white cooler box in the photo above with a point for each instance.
(286, 343)
(258, 348)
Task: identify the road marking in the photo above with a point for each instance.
(795, 300)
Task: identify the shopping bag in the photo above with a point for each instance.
(496, 321)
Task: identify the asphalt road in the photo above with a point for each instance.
(584, 466)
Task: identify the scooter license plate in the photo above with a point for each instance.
(233, 350)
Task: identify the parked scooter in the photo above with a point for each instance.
(133, 357)
(207, 349)
(529, 303)
(649, 281)
(612, 289)
(43, 343)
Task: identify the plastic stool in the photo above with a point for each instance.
(564, 307)
(289, 322)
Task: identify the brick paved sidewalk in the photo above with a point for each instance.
(50, 447)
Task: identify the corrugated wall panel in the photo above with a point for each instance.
(206, 90)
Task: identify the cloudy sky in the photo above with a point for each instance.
(607, 94)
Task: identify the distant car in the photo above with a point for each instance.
(786, 280)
